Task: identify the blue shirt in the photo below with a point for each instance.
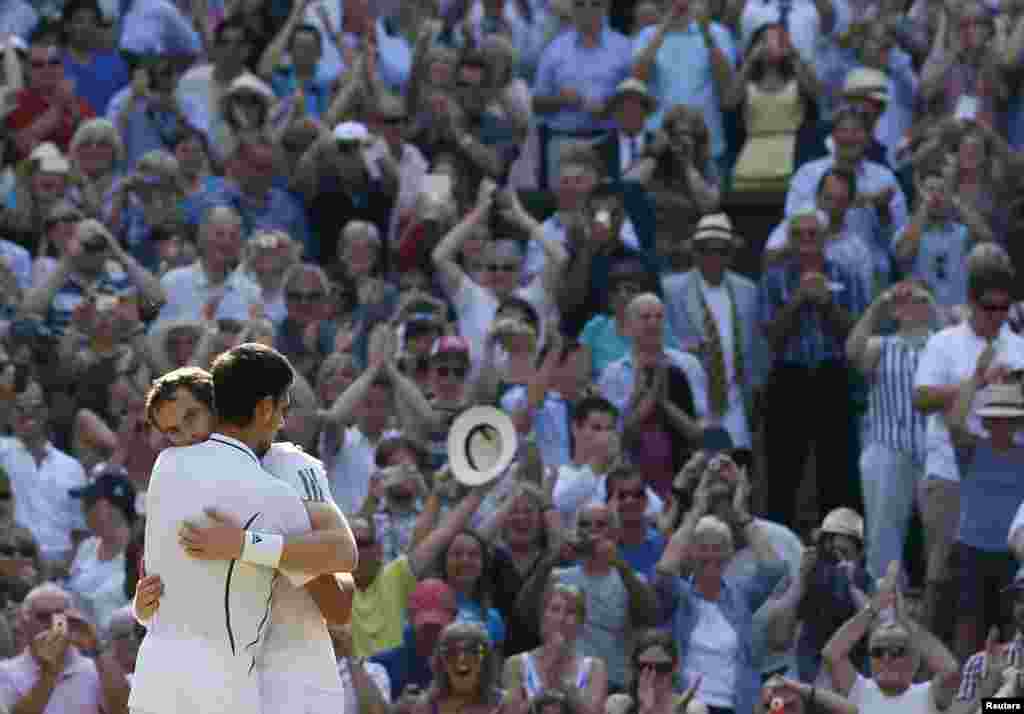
(682, 75)
(404, 665)
(98, 82)
(470, 611)
(940, 261)
(158, 27)
(991, 491)
(280, 211)
(71, 294)
(17, 18)
(811, 343)
(594, 72)
(642, 557)
(739, 600)
(317, 91)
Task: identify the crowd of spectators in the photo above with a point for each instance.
(793, 485)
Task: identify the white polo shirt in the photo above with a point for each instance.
(298, 670)
(42, 503)
(949, 358)
(203, 645)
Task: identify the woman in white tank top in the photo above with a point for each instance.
(556, 664)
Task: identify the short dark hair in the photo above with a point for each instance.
(388, 447)
(246, 375)
(197, 381)
(591, 405)
(234, 22)
(515, 302)
(621, 472)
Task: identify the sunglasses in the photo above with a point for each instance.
(995, 306)
(94, 246)
(659, 667)
(10, 550)
(301, 296)
(892, 652)
(503, 267)
(52, 61)
(472, 650)
(586, 524)
(583, 4)
(634, 493)
(459, 372)
(712, 249)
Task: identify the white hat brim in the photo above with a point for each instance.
(473, 457)
(1004, 412)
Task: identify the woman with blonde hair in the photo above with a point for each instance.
(96, 151)
(556, 664)
(41, 181)
(266, 258)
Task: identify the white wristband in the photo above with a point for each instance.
(262, 549)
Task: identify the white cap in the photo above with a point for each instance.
(351, 131)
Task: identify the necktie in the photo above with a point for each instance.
(714, 362)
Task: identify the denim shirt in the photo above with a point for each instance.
(739, 600)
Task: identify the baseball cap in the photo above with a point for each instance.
(432, 603)
(450, 345)
(111, 483)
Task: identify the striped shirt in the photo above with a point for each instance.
(892, 419)
(976, 671)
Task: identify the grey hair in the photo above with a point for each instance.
(217, 215)
(162, 163)
(361, 230)
(642, 299)
(613, 516)
(47, 588)
(803, 212)
(98, 130)
(713, 526)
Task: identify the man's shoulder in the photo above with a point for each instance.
(178, 276)
(674, 284)
(741, 283)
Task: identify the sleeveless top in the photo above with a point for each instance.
(891, 418)
(534, 685)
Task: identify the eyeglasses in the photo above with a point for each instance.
(892, 652)
(503, 267)
(659, 667)
(459, 372)
(473, 650)
(302, 296)
(12, 550)
(995, 306)
(636, 493)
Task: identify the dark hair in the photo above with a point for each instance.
(482, 592)
(847, 112)
(757, 71)
(643, 642)
(517, 303)
(570, 345)
(388, 447)
(473, 58)
(246, 375)
(847, 177)
(309, 29)
(622, 472)
(603, 190)
(590, 405)
(565, 699)
(986, 275)
(197, 381)
(75, 6)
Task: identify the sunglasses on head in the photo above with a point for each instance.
(659, 667)
(892, 651)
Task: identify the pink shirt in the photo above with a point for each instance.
(77, 690)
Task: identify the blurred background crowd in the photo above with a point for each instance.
(740, 271)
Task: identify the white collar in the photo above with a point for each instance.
(234, 443)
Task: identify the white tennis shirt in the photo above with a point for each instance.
(298, 670)
(201, 650)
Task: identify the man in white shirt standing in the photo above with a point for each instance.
(950, 357)
(222, 646)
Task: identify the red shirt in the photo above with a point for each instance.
(32, 104)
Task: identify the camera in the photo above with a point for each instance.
(94, 244)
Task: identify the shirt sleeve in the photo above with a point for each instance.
(933, 368)
(380, 677)
(573, 488)
(9, 694)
